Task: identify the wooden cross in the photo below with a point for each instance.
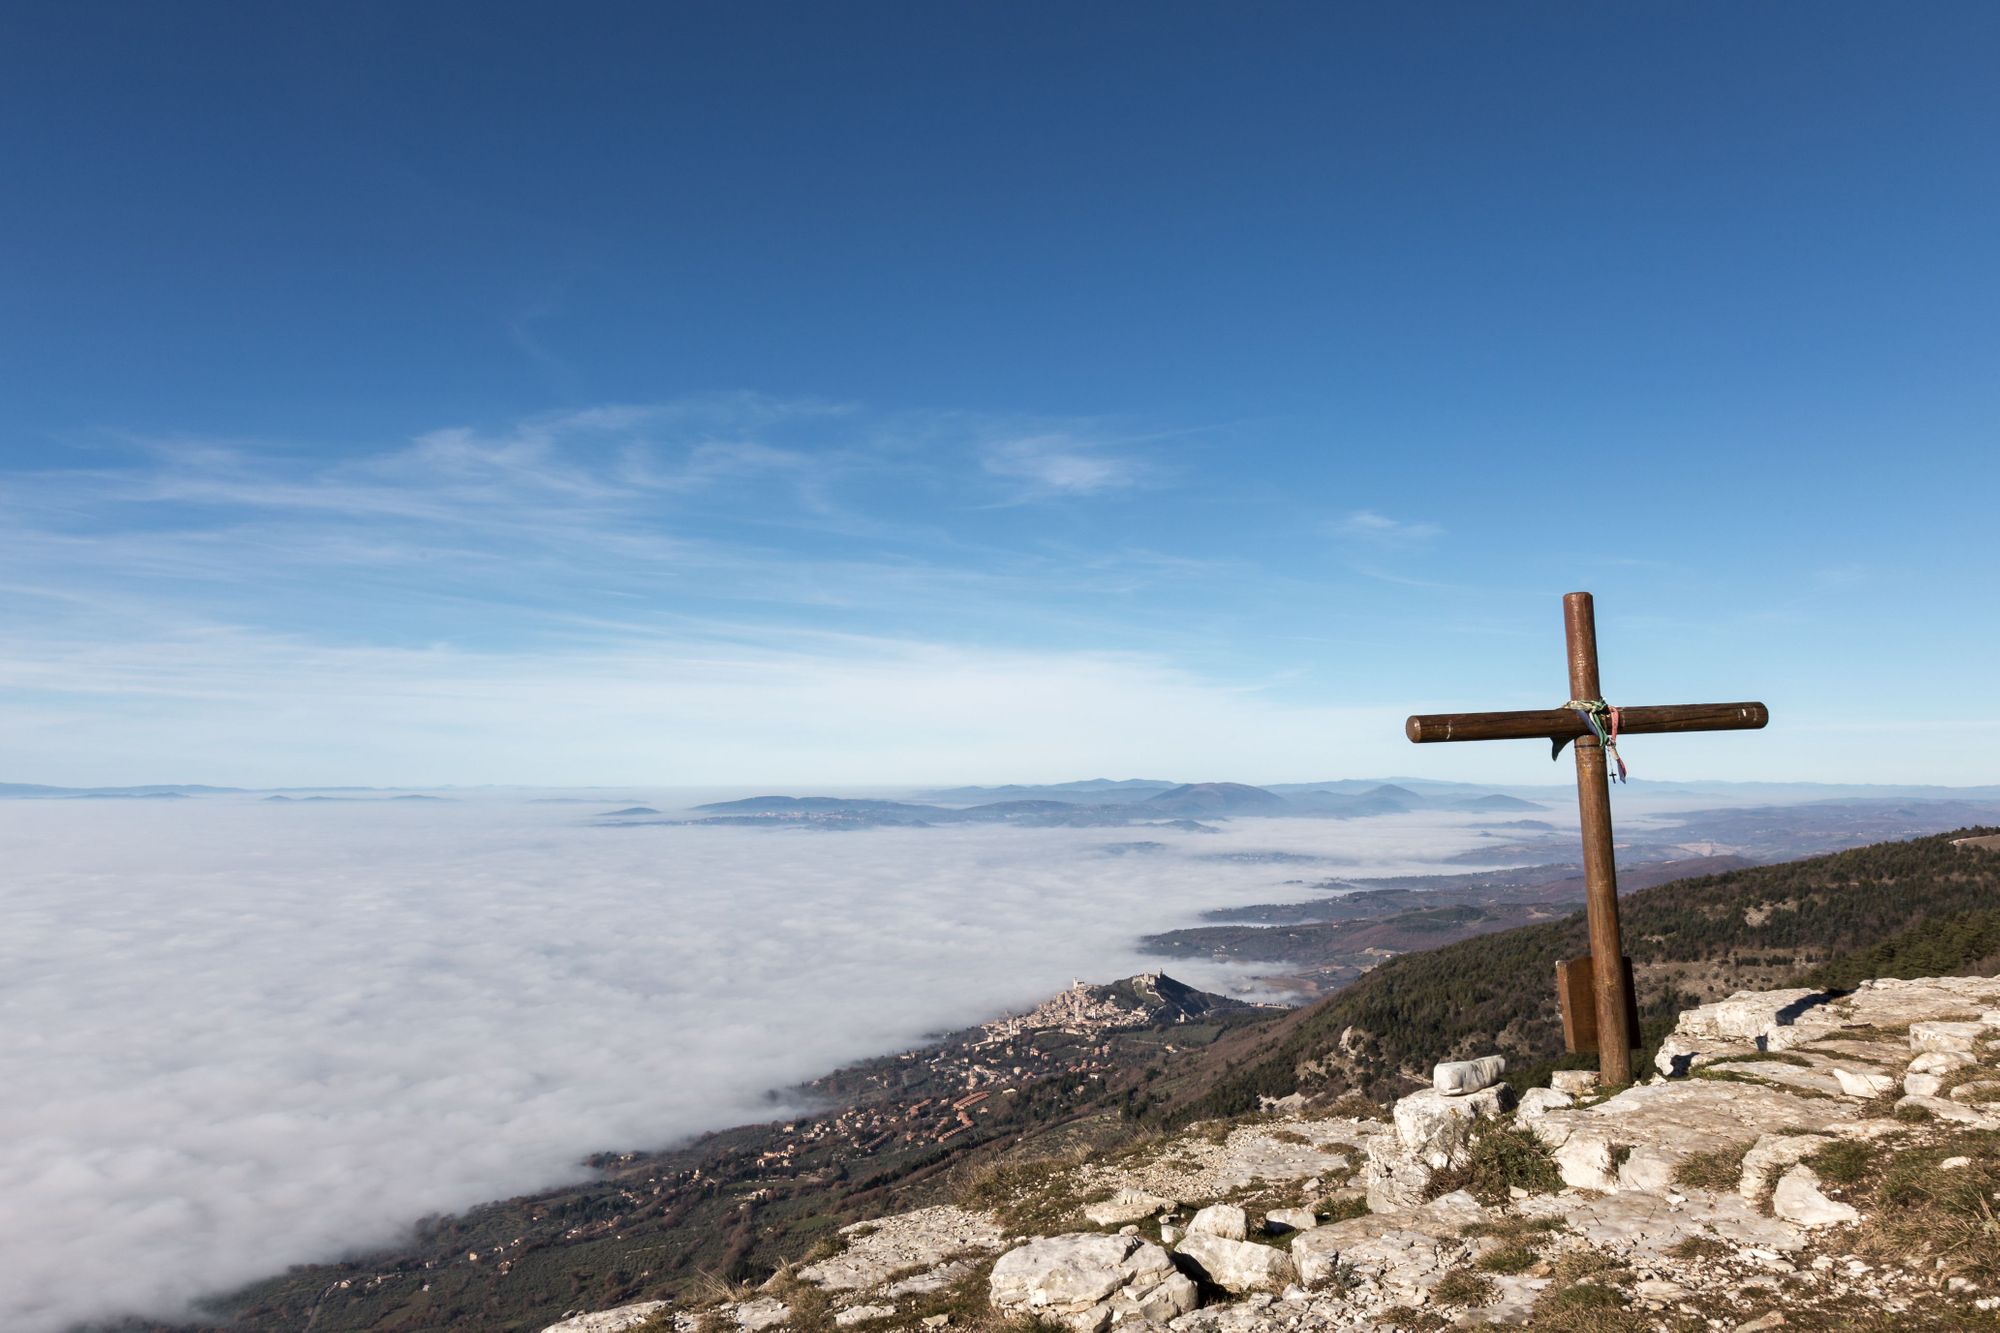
(1607, 978)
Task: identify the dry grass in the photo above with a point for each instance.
(1341, 1209)
(1701, 1249)
(1460, 1287)
(1585, 1307)
(1508, 1259)
(1718, 1170)
(1847, 1162)
(1354, 1106)
(1029, 1196)
(1501, 1158)
(1580, 1264)
(1919, 1214)
(1519, 1237)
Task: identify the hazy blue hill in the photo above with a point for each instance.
(122, 796)
(37, 790)
(1497, 802)
(1109, 791)
(629, 810)
(825, 805)
(1428, 787)
(1217, 798)
(1001, 810)
(1386, 800)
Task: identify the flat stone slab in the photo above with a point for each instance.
(1648, 1225)
(1785, 1020)
(920, 1239)
(1129, 1205)
(1814, 1078)
(615, 1320)
(1694, 1115)
(1195, 1169)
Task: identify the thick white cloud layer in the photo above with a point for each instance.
(239, 1035)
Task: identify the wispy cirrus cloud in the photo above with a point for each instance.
(1366, 525)
(1061, 465)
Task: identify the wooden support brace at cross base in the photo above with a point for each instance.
(1576, 990)
(1608, 998)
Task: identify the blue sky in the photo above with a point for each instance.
(800, 394)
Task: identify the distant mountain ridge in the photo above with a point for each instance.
(1107, 802)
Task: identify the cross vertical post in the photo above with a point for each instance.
(1607, 1023)
(1600, 865)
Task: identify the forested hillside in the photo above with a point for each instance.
(1916, 908)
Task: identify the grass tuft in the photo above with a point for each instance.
(1848, 1162)
(1717, 1170)
(1501, 1157)
(1459, 1287)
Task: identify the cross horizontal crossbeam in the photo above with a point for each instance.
(1567, 724)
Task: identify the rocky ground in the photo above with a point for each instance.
(1802, 1160)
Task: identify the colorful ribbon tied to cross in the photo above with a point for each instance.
(1602, 719)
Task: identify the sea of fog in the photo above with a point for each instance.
(238, 1034)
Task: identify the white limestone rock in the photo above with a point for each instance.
(1404, 1253)
(1237, 1266)
(766, 1312)
(1281, 1220)
(928, 1281)
(609, 1321)
(1746, 1021)
(1454, 1211)
(1539, 1101)
(1798, 1199)
(1945, 1036)
(1455, 1078)
(1940, 1062)
(1584, 1162)
(1668, 1121)
(1773, 1153)
(856, 1314)
(1863, 1083)
(1436, 1129)
(898, 1243)
(1942, 1108)
(1392, 1177)
(1649, 1227)
(1128, 1205)
(1575, 1082)
(1077, 1278)
(1649, 1167)
(1168, 1299)
(1221, 1219)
